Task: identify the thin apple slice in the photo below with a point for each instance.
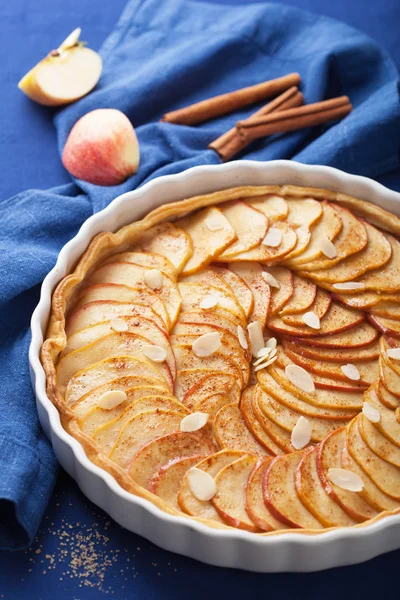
(383, 474)
(198, 329)
(387, 424)
(304, 294)
(303, 216)
(314, 496)
(287, 507)
(169, 241)
(211, 465)
(218, 317)
(207, 277)
(167, 480)
(273, 207)
(375, 255)
(231, 431)
(255, 505)
(280, 436)
(385, 397)
(109, 369)
(388, 310)
(254, 425)
(389, 377)
(386, 326)
(203, 388)
(336, 355)
(230, 499)
(250, 227)
(267, 254)
(379, 443)
(212, 404)
(251, 273)
(141, 429)
(351, 239)
(319, 307)
(330, 457)
(158, 452)
(134, 276)
(193, 293)
(386, 279)
(144, 259)
(207, 242)
(239, 288)
(124, 294)
(356, 337)
(280, 296)
(327, 228)
(187, 378)
(186, 359)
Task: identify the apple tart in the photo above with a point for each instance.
(235, 358)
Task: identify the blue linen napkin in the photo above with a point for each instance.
(161, 56)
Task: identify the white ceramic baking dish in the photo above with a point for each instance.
(228, 548)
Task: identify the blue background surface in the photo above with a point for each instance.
(79, 553)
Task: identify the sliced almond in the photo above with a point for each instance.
(71, 40)
(201, 484)
(111, 399)
(270, 279)
(216, 221)
(194, 421)
(393, 353)
(349, 285)
(119, 324)
(264, 354)
(242, 337)
(263, 365)
(155, 353)
(351, 372)
(256, 337)
(371, 413)
(300, 378)
(311, 320)
(347, 480)
(209, 301)
(273, 237)
(301, 433)
(153, 279)
(206, 344)
(271, 343)
(327, 248)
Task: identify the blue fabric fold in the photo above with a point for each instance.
(161, 56)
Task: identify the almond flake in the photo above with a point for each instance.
(194, 421)
(270, 279)
(273, 237)
(119, 324)
(153, 279)
(393, 353)
(300, 378)
(216, 221)
(349, 285)
(265, 364)
(242, 337)
(111, 399)
(201, 484)
(71, 40)
(351, 372)
(371, 412)
(301, 433)
(206, 344)
(347, 480)
(311, 320)
(209, 301)
(271, 343)
(256, 337)
(155, 353)
(263, 354)
(327, 248)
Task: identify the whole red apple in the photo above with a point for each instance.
(102, 148)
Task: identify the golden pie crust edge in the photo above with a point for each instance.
(104, 244)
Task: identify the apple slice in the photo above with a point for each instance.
(219, 362)
(218, 317)
(303, 216)
(210, 232)
(199, 329)
(387, 279)
(250, 227)
(273, 207)
(362, 300)
(314, 496)
(280, 296)
(193, 293)
(124, 294)
(255, 505)
(319, 307)
(386, 326)
(356, 337)
(241, 291)
(329, 457)
(388, 310)
(207, 386)
(187, 378)
(166, 482)
(212, 404)
(160, 451)
(207, 277)
(389, 377)
(251, 273)
(304, 294)
(386, 398)
(379, 443)
(281, 437)
(254, 425)
(387, 423)
(230, 499)
(144, 259)
(65, 75)
(287, 507)
(231, 431)
(268, 254)
(336, 355)
(171, 242)
(211, 465)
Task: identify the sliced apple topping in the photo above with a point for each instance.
(371, 412)
(328, 248)
(242, 337)
(215, 221)
(270, 279)
(111, 399)
(300, 378)
(349, 285)
(347, 480)
(311, 320)
(209, 301)
(201, 484)
(393, 353)
(256, 337)
(351, 372)
(194, 421)
(153, 279)
(301, 434)
(155, 353)
(206, 344)
(119, 324)
(273, 237)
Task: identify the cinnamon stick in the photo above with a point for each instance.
(227, 103)
(231, 143)
(294, 118)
